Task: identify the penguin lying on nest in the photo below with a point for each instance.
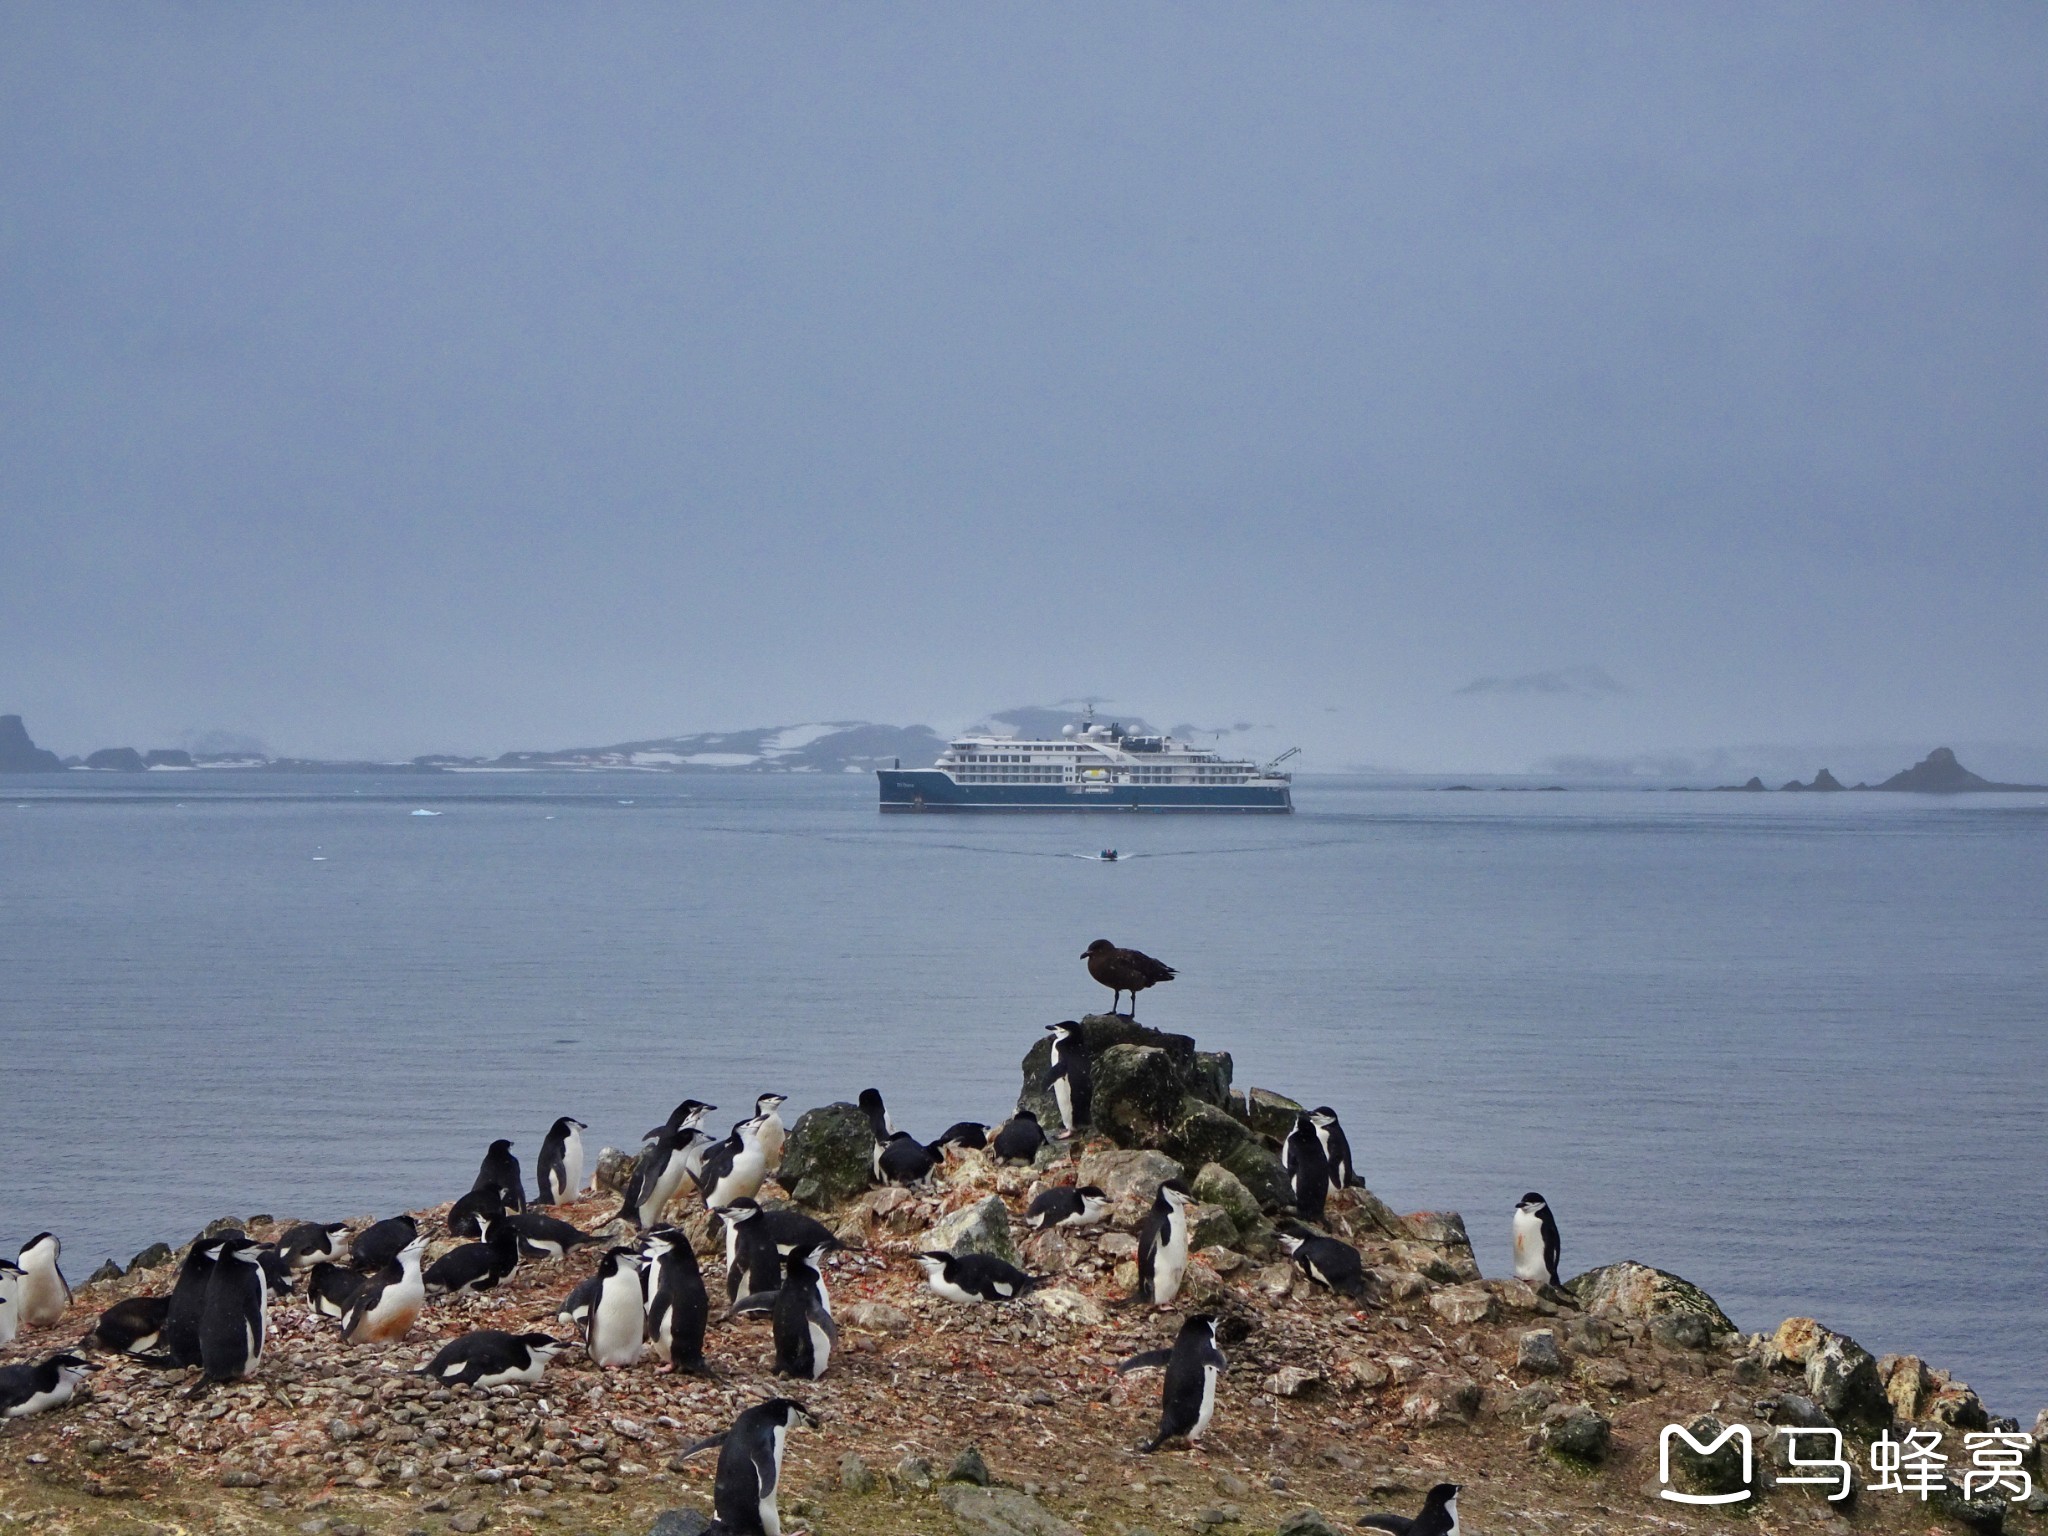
(1439, 1516)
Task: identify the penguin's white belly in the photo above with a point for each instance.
(749, 1172)
(618, 1327)
(771, 1517)
(950, 1291)
(1063, 1095)
(771, 1141)
(10, 1309)
(572, 1165)
(1171, 1266)
(512, 1375)
(821, 1349)
(1529, 1249)
(42, 1298)
(1210, 1375)
(56, 1397)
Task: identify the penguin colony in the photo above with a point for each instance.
(647, 1299)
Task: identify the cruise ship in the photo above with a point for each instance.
(1090, 767)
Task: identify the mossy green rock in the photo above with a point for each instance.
(829, 1156)
(1137, 1095)
(1636, 1291)
(1216, 1185)
(1269, 1113)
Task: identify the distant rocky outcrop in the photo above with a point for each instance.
(20, 755)
(1823, 781)
(835, 746)
(1938, 773)
(168, 757)
(116, 760)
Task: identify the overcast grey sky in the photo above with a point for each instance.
(1440, 386)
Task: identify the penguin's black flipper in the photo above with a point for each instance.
(705, 1445)
(754, 1301)
(1150, 1358)
(156, 1362)
(1400, 1525)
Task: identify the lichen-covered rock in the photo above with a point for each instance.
(155, 1256)
(1269, 1113)
(1138, 1093)
(983, 1227)
(1194, 1071)
(1841, 1375)
(1128, 1177)
(613, 1170)
(1576, 1432)
(1210, 1226)
(1305, 1522)
(1259, 1171)
(1069, 1306)
(1635, 1292)
(678, 1522)
(1440, 1399)
(1209, 1080)
(1217, 1185)
(1201, 1133)
(828, 1157)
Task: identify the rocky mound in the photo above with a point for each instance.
(1006, 1419)
(18, 754)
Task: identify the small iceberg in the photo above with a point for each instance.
(426, 813)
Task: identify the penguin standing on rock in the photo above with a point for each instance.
(1019, 1139)
(1336, 1149)
(500, 1171)
(1068, 1076)
(1301, 1154)
(1163, 1245)
(312, 1242)
(236, 1322)
(1439, 1516)
(559, 1173)
(750, 1467)
(389, 1302)
(51, 1383)
(677, 1307)
(43, 1289)
(1194, 1366)
(616, 1332)
(492, 1358)
(802, 1318)
(1536, 1242)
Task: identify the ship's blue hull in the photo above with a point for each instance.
(927, 789)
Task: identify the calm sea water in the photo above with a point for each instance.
(1792, 1048)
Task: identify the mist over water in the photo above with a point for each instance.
(1779, 1045)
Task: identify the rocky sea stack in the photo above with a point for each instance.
(1011, 1419)
(18, 754)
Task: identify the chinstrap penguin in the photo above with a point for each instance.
(558, 1175)
(753, 1259)
(975, 1277)
(236, 1323)
(330, 1288)
(802, 1317)
(1019, 1139)
(475, 1267)
(542, 1236)
(491, 1358)
(188, 1302)
(1068, 1076)
(389, 1302)
(1536, 1242)
(42, 1290)
(1336, 1149)
(1067, 1206)
(1194, 1366)
(466, 1217)
(312, 1242)
(903, 1159)
(659, 1171)
(735, 1168)
(1163, 1245)
(50, 1383)
(768, 1118)
(750, 1467)
(10, 1301)
(1439, 1516)
(677, 1307)
(1329, 1262)
(616, 1332)
(131, 1327)
(500, 1171)
(380, 1243)
(1301, 1154)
